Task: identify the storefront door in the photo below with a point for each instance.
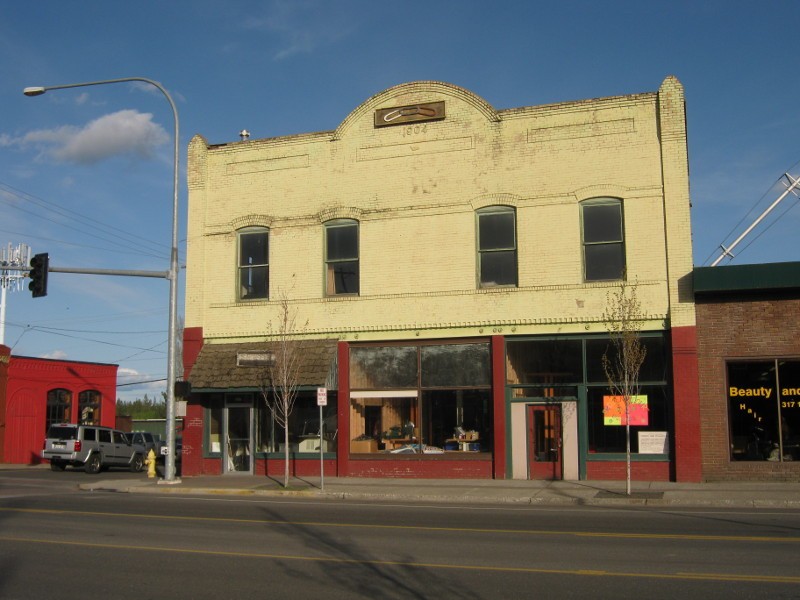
(544, 442)
(237, 457)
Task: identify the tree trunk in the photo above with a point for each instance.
(627, 448)
(286, 455)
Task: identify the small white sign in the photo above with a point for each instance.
(653, 442)
(322, 397)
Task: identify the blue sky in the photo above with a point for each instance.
(86, 174)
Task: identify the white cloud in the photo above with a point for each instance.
(55, 354)
(123, 372)
(124, 133)
(128, 390)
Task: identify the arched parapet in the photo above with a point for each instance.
(415, 92)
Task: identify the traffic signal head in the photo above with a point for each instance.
(40, 263)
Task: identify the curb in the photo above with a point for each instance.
(314, 493)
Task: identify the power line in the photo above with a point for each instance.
(27, 328)
(119, 385)
(95, 233)
(111, 317)
(137, 332)
(76, 245)
(71, 214)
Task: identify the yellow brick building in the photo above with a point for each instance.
(438, 256)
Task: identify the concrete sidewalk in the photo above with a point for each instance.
(459, 491)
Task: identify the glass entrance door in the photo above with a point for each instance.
(238, 439)
(544, 442)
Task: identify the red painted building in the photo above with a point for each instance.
(35, 392)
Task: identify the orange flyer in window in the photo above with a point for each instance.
(614, 410)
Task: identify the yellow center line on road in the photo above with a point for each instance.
(232, 520)
(727, 577)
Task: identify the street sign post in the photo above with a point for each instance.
(322, 400)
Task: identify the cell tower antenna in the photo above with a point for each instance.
(14, 264)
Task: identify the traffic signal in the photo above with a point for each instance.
(183, 389)
(40, 263)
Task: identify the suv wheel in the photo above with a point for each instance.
(93, 464)
(57, 465)
(137, 463)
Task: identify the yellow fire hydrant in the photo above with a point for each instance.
(151, 463)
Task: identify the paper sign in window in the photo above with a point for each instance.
(614, 410)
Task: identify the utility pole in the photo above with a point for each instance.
(791, 188)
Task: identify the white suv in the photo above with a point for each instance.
(91, 447)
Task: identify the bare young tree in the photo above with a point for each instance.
(282, 375)
(623, 359)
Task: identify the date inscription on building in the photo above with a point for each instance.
(413, 113)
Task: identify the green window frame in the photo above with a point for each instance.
(342, 276)
(497, 246)
(253, 263)
(603, 239)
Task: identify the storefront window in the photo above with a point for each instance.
(447, 408)
(456, 365)
(458, 420)
(648, 421)
(383, 367)
(654, 367)
(214, 442)
(303, 426)
(764, 410)
(386, 424)
(565, 367)
(544, 362)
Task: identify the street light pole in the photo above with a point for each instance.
(172, 274)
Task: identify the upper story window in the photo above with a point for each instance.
(341, 257)
(603, 239)
(89, 407)
(59, 403)
(497, 246)
(253, 263)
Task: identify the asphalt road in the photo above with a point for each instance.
(58, 542)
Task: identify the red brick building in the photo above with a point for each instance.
(35, 392)
(749, 371)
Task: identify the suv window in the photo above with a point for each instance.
(90, 434)
(105, 436)
(63, 432)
